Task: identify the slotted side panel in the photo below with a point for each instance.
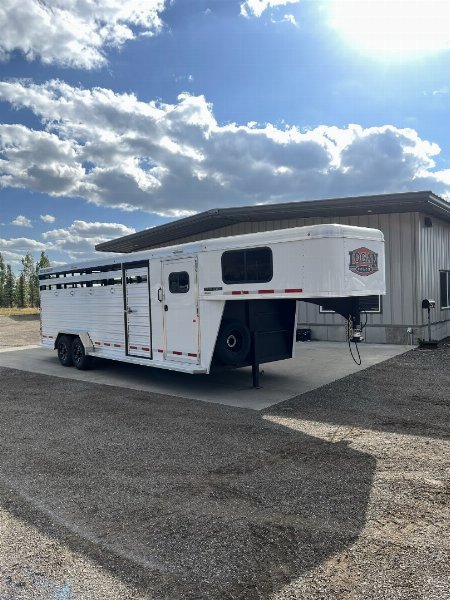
(137, 312)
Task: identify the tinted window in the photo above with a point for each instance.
(179, 282)
(247, 266)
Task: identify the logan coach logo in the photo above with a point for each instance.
(363, 261)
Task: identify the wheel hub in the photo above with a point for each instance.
(232, 341)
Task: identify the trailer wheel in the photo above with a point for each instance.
(79, 358)
(65, 351)
(233, 342)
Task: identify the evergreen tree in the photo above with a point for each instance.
(2, 280)
(22, 291)
(32, 287)
(9, 288)
(43, 261)
(41, 264)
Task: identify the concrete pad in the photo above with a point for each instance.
(316, 364)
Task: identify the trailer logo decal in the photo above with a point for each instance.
(363, 261)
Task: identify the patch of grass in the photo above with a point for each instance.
(14, 312)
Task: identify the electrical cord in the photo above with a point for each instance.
(357, 361)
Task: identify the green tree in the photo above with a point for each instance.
(9, 288)
(43, 262)
(22, 291)
(2, 280)
(31, 283)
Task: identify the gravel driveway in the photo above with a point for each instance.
(109, 493)
(19, 331)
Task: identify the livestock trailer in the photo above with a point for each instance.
(227, 301)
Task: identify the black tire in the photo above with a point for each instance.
(79, 358)
(65, 351)
(233, 342)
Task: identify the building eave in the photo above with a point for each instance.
(425, 202)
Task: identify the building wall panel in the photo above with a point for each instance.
(434, 256)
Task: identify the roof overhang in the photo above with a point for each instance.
(425, 202)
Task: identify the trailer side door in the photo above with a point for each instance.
(137, 311)
(180, 310)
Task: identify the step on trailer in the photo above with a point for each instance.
(226, 301)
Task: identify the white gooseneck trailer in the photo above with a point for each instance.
(229, 301)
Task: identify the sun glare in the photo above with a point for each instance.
(403, 29)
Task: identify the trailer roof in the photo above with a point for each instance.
(225, 243)
(425, 202)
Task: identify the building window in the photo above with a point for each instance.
(368, 304)
(253, 265)
(179, 282)
(445, 289)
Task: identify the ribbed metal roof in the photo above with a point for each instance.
(425, 202)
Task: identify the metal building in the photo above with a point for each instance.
(416, 227)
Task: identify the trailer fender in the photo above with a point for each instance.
(83, 335)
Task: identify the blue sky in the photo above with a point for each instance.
(120, 115)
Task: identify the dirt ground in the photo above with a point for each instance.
(19, 331)
(341, 493)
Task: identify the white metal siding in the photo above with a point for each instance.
(434, 253)
(98, 310)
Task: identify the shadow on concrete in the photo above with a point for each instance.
(408, 395)
(177, 498)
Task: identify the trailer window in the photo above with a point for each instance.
(253, 265)
(179, 282)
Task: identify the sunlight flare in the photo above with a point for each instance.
(401, 29)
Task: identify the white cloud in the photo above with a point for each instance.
(286, 19)
(444, 91)
(174, 159)
(255, 8)
(21, 245)
(12, 258)
(75, 242)
(290, 19)
(74, 33)
(21, 221)
(79, 239)
(47, 218)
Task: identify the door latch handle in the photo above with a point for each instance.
(160, 294)
(129, 310)
(166, 308)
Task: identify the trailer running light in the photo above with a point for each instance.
(245, 292)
